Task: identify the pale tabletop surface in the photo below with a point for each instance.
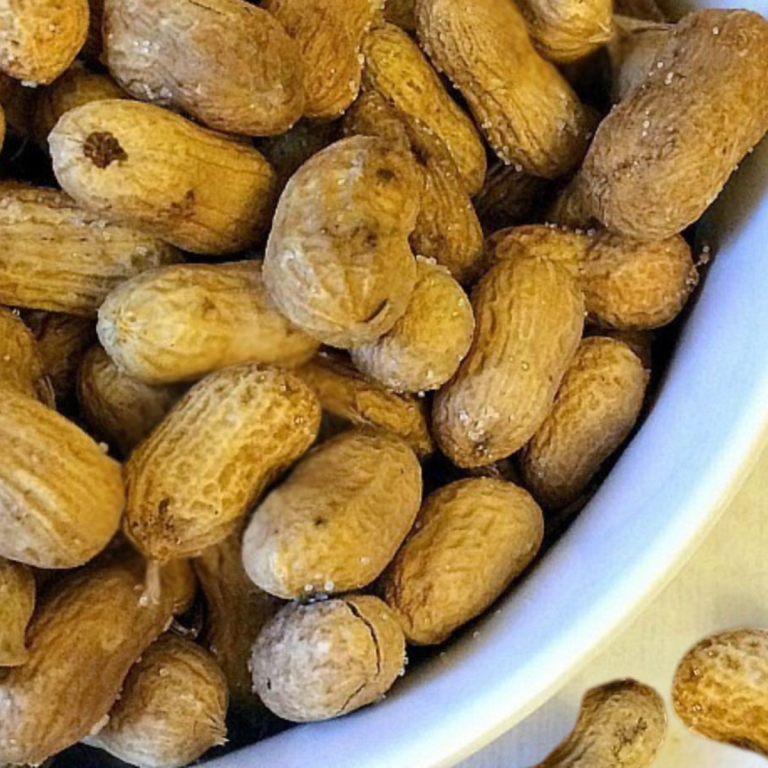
(723, 586)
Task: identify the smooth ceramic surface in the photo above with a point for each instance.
(659, 502)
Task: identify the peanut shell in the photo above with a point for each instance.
(21, 364)
(17, 603)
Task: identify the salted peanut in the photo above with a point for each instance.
(623, 723)
(117, 407)
(447, 228)
(642, 181)
(402, 13)
(509, 197)
(428, 343)
(337, 521)
(329, 34)
(719, 689)
(77, 86)
(21, 364)
(565, 31)
(529, 313)
(60, 497)
(397, 70)
(62, 340)
(596, 408)
(54, 255)
(345, 394)
(84, 638)
(635, 285)
(565, 246)
(236, 612)
(228, 63)
(147, 167)
(524, 107)
(40, 38)
(633, 52)
(338, 263)
(179, 323)
(207, 463)
(17, 602)
(327, 659)
(288, 152)
(472, 539)
(171, 709)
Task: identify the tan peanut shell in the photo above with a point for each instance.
(17, 602)
(171, 710)
(402, 13)
(54, 255)
(447, 228)
(149, 168)
(206, 464)
(228, 63)
(338, 520)
(326, 659)
(338, 263)
(39, 39)
(719, 689)
(397, 70)
(329, 34)
(60, 497)
(346, 394)
(596, 407)
(472, 538)
(623, 723)
(118, 408)
(85, 636)
(428, 343)
(529, 315)
(524, 107)
(77, 86)
(236, 611)
(568, 30)
(644, 180)
(182, 322)
(21, 364)
(62, 340)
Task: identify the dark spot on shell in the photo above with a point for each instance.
(384, 174)
(103, 149)
(320, 522)
(378, 311)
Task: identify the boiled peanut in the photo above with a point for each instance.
(117, 407)
(205, 465)
(170, 53)
(642, 180)
(524, 107)
(596, 407)
(447, 228)
(182, 322)
(337, 521)
(85, 636)
(428, 343)
(397, 70)
(326, 659)
(77, 86)
(21, 364)
(472, 538)
(171, 710)
(530, 315)
(623, 723)
(17, 602)
(236, 611)
(719, 689)
(338, 263)
(329, 34)
(60, 497)
(54, 255)
(40, 38)
(143, 165)
(345, 394)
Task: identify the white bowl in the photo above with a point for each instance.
(658, 503)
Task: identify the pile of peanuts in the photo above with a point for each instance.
(300, 350)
